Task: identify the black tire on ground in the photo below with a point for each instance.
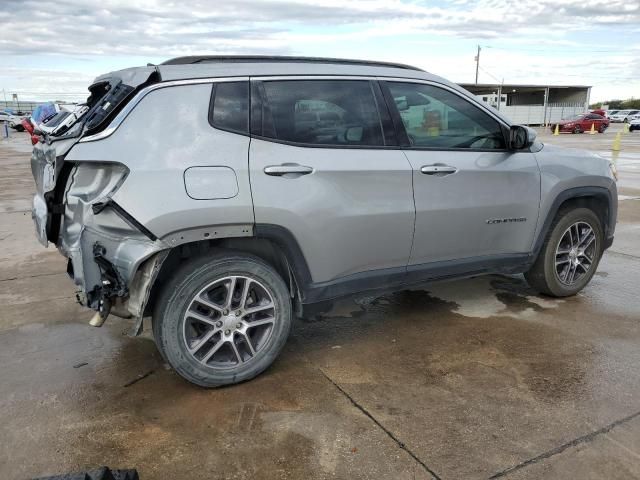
(601, 128)
(543, 276)
(577, 130)
(177, 295)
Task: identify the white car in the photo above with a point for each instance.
(634, 122)
(14, 121)
(623, 115)
(67, 116)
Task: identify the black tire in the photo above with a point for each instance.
(543, 276)
(601, 129)
(178, 294)
(577, 130)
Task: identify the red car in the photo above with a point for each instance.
(582, 123)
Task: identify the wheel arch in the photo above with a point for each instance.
(273, 244)
(597, 199)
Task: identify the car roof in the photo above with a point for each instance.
(193, 59)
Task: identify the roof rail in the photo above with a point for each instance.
(279, 59)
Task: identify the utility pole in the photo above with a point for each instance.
(477, 63)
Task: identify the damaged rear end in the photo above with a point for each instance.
(74, 210)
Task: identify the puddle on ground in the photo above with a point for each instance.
(481, 297)
(432, 336)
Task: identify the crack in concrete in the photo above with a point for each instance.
(382, 427)
(561, 448)
(142, 376)
(30, 276)
(628, 255)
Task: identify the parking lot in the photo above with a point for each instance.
(479, 378)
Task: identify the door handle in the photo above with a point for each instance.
(280, 170)
(438, 169)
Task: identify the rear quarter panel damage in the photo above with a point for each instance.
(164, 135)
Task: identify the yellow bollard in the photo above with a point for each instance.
(556, 132)
(625, 127)
(593, 129)
(616, 142)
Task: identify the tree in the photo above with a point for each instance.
(628, 104)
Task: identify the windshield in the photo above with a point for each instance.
(574, 117)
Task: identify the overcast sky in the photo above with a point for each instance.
(53, 49)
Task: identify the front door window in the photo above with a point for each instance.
(436, 118)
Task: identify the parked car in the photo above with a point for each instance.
(171, 201)
(634, 123)
(608, 113)
(623, 115)
(14, 119)
(582, 123)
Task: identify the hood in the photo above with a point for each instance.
(565, 122)
(563, 152)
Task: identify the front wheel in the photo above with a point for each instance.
(570, 254)
(222, 320)
(577, 130)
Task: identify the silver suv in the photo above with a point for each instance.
(221, 196)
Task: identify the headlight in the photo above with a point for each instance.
(614, 170)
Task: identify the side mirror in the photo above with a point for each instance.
(521, 137)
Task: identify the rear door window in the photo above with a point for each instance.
(230, 107)
(319, 112)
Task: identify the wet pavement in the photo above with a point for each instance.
(479, 378)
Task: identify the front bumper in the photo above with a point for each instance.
(563, 128)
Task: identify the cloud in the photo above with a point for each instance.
(528, 36)
(72, 27)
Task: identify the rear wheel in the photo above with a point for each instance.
(601, 128)
(222, 320)
(570, 254)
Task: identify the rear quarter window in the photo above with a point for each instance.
(230, 107)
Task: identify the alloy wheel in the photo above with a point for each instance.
(229, 322)
(575, 253)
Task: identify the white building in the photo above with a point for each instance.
(533, 104)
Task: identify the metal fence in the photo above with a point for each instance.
(20, 106)
(541, 115)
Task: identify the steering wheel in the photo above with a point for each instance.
(477, 138)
